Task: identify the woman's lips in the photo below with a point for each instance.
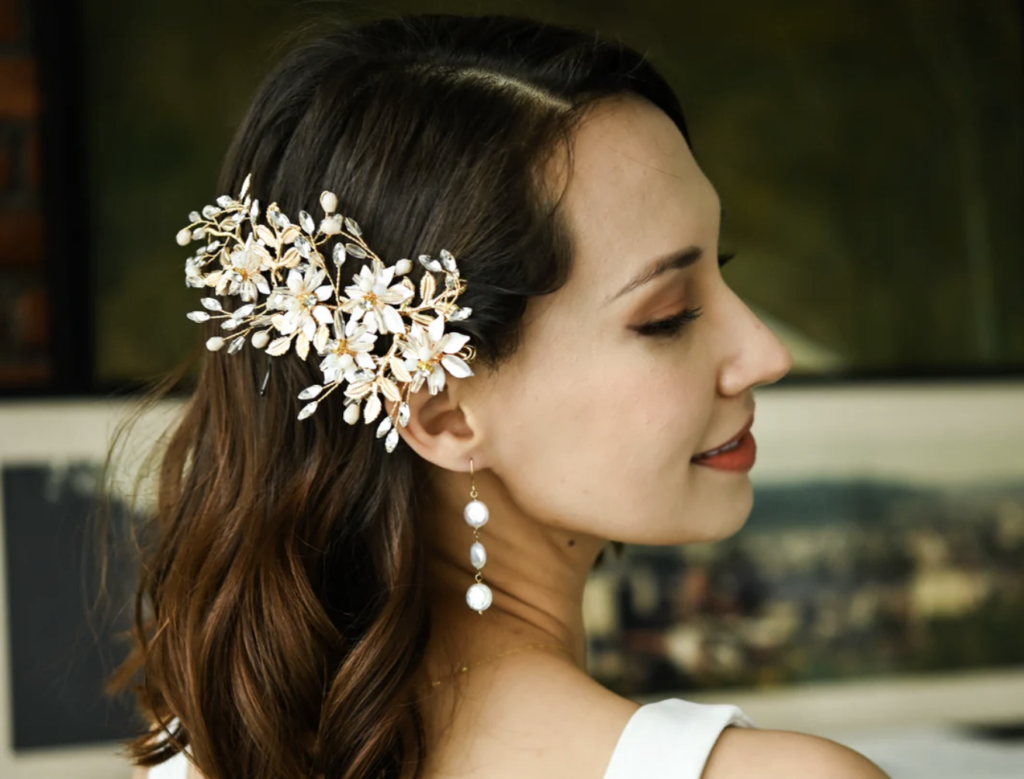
(738, 454)
(741, 458)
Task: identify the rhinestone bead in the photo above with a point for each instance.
(479, 597)
(476, 513)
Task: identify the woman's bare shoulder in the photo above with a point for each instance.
(742, 753)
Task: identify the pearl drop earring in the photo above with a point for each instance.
(478, 596)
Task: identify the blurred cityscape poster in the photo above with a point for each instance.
(835, 577)
(887, 536)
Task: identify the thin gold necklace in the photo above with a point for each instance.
(467, 668)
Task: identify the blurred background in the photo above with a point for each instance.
(868, 155)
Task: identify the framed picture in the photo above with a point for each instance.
(886, 540)
(57, 642)
(876, 581)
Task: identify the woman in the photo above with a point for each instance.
(319, 604)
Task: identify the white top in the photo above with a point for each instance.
(175, 768)
(668, 739)
(671, 739)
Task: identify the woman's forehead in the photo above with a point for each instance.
(636, 192)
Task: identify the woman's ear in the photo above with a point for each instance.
(441, 429)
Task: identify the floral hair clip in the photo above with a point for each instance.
(291, 298)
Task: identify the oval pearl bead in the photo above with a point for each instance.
(478, 555)
(476, 513)
(479, 597)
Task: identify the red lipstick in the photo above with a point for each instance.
(737, 454)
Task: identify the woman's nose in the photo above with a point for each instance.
(754, 356)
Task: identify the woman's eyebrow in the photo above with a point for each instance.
(682, 258)
(678, 259)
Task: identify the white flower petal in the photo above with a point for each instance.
(324, 292)
(287, 324)
(436, 329)
(393, 320)
(453, 342)
(435, 381)
(374, 321)
(309, 327)
(456, 366)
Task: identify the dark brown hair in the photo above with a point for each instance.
(280, 612)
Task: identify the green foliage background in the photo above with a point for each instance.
(868, 154)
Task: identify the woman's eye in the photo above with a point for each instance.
(673, 325)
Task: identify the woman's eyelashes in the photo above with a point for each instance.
(670, 326)
(673, 325)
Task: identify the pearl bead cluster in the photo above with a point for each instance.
(478, 596)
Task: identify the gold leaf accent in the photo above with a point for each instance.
(399, 369)
(390, 389)
(262, 253)
(321, 338)
(372, 408)
(279, 346)
(266, 235)
(427, 286)
(302, 345)
(359, 390)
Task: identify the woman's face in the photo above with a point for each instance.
(593, 425)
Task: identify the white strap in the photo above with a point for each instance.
(175, 768)
(671, 739)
